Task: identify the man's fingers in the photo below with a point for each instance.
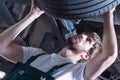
(32, 4)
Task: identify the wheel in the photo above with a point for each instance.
(78, 9)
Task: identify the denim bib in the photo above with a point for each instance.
(23, 71)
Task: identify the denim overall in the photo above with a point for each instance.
(25, 72)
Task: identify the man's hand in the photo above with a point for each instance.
(35, 11)
(112, 11)
(109, 14)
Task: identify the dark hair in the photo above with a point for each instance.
(97, 47)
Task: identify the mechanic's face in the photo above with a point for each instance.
(82, 41)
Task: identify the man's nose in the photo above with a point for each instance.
(83, 36)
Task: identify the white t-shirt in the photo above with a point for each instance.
(46, 62)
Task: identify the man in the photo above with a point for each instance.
(77, 49)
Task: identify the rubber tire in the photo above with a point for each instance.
(78, 9)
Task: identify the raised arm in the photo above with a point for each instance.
(11, 51)
(103, 60)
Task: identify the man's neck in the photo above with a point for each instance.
(68, 54)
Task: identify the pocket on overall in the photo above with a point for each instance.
(25, 72)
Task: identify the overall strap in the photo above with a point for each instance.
(32, 58)
(55, 69)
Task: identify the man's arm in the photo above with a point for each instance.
(103, 60)
(11, 51)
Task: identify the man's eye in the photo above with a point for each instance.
(88, 39)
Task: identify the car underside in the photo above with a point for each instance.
(48, 30)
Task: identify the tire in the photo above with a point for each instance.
(78, 9)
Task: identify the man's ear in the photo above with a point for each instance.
(85, 57)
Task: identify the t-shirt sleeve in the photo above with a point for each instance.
(80, 71)
(30, 51)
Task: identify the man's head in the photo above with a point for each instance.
(88, 42)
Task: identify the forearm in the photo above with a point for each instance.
(109, 35)
(11, 33)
